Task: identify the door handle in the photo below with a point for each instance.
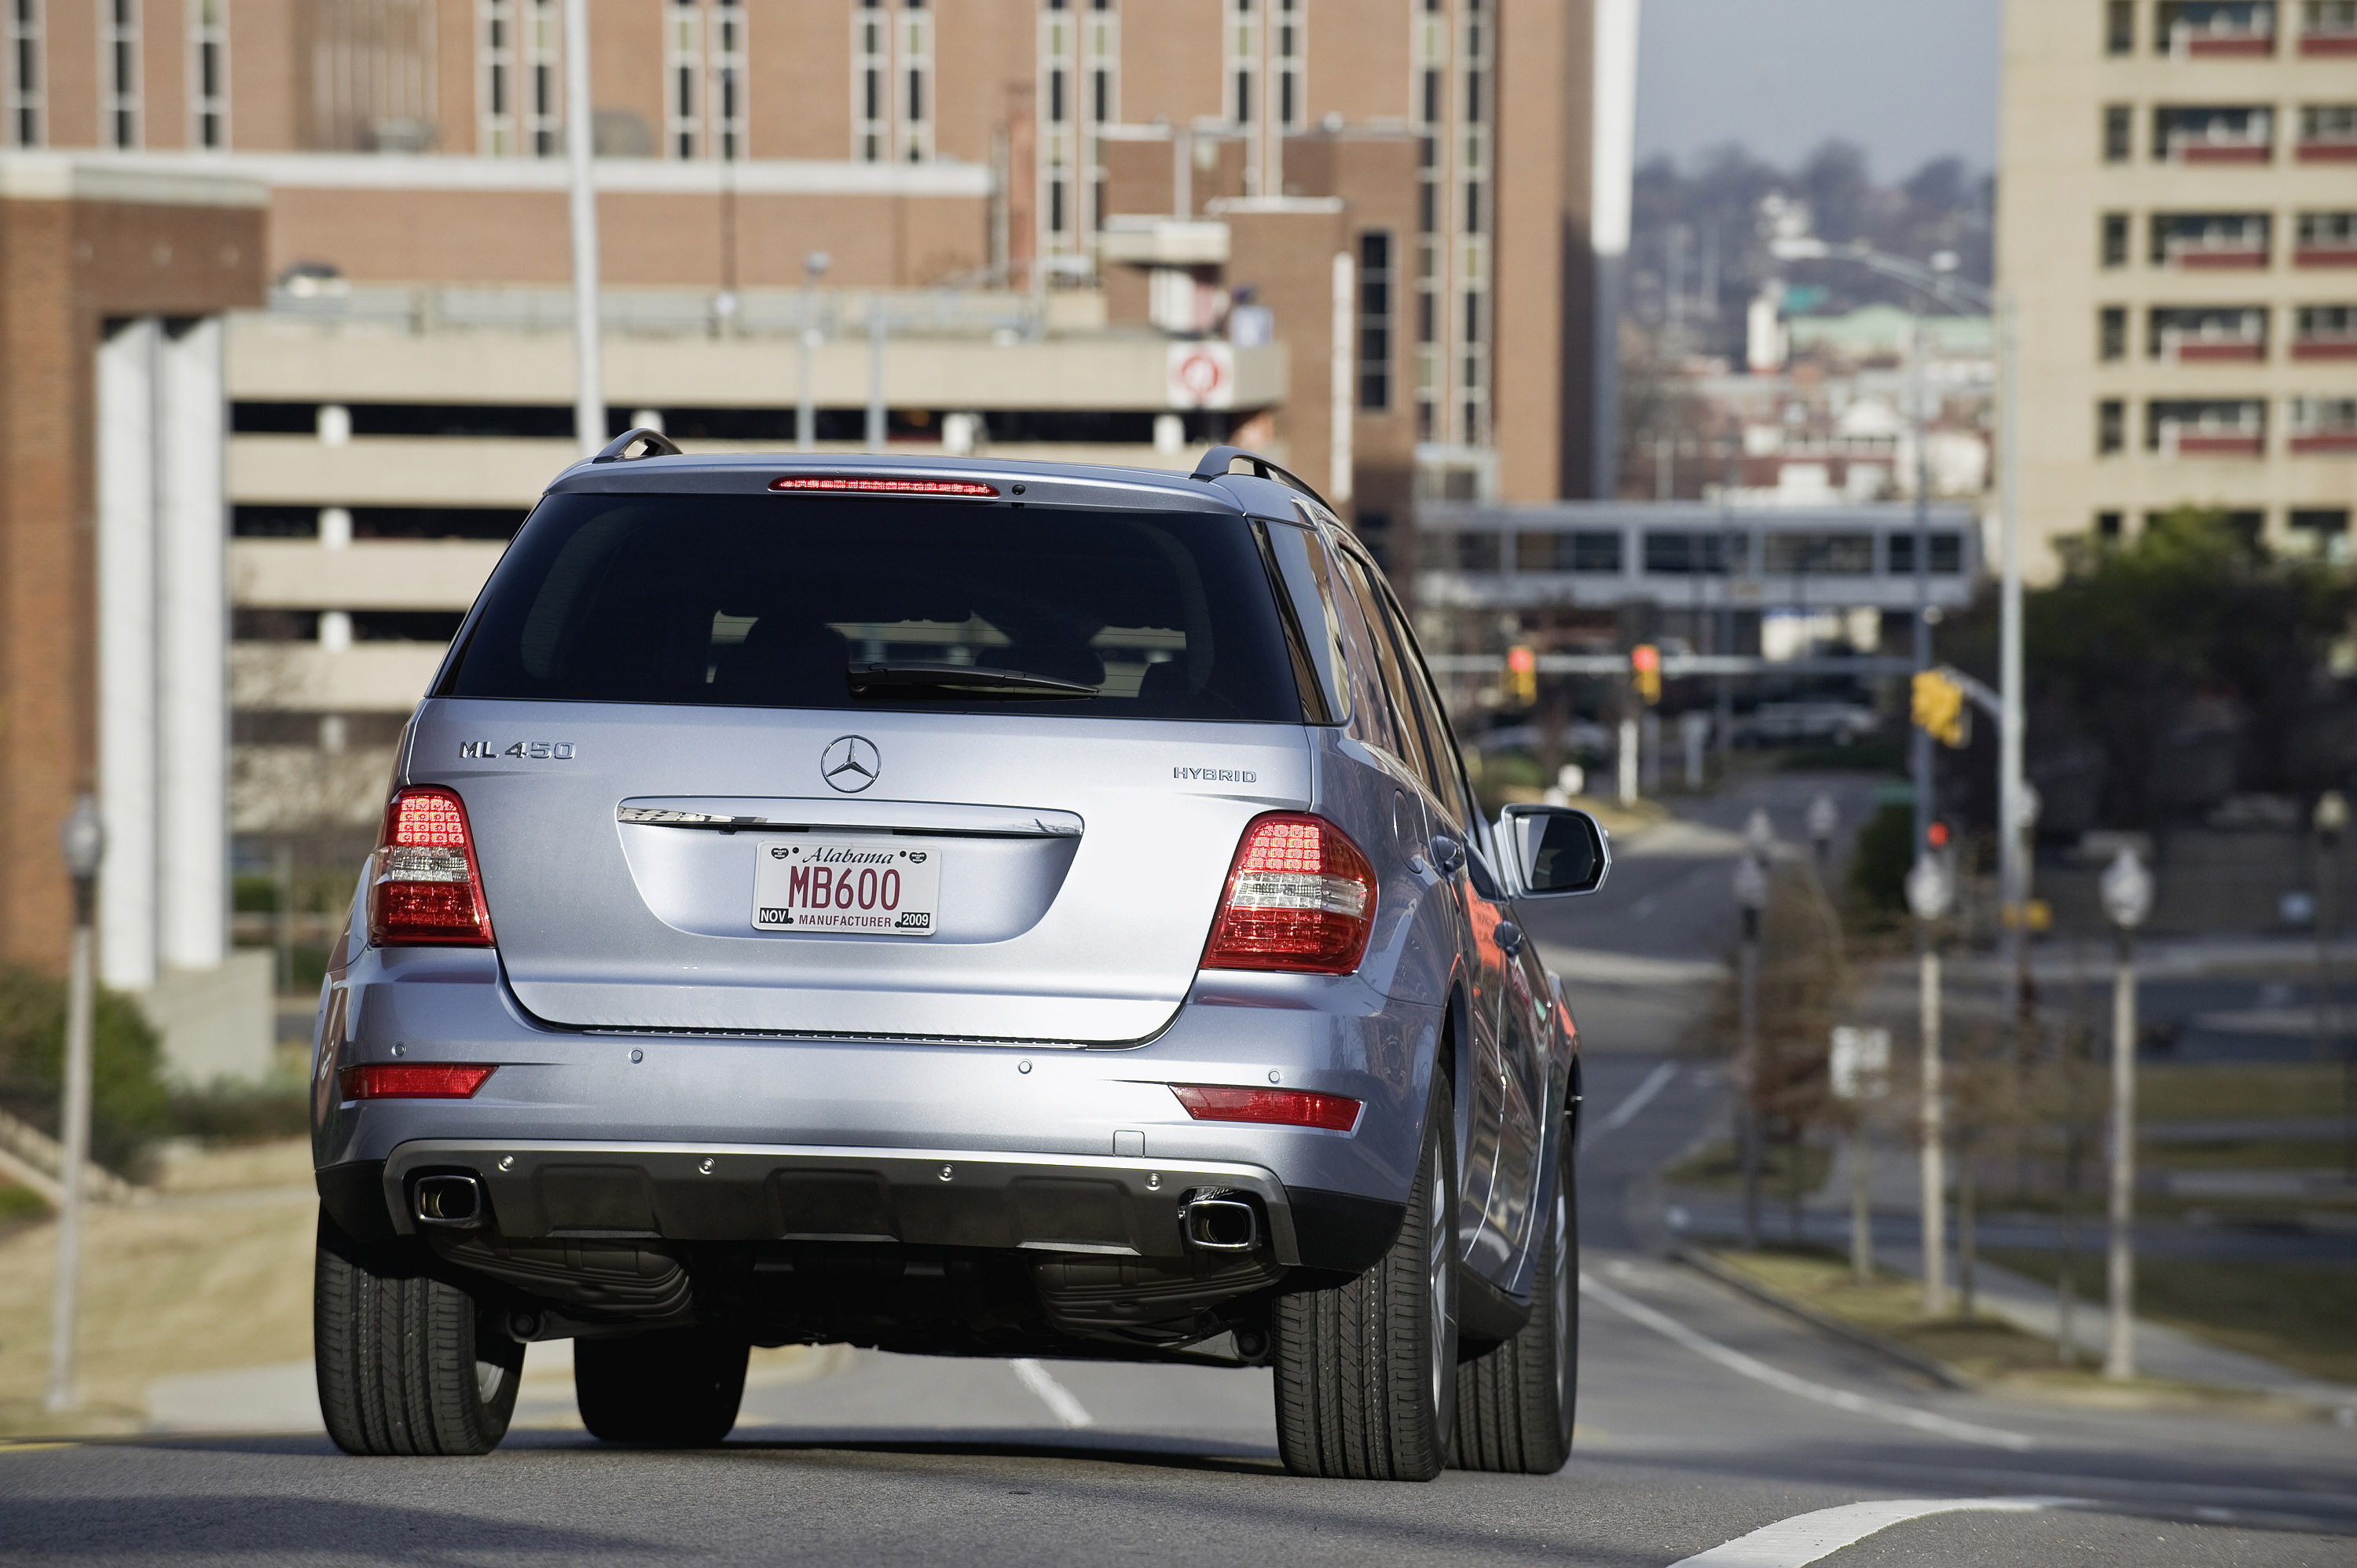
(1446, 854)
(1508, 936)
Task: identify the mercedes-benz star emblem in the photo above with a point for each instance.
(850, 763)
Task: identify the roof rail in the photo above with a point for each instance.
(618, 450)
(1219, 460)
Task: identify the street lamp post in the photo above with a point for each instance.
(2128, 899)
(1823, 819)
(2331, 820)
(83, 840)
(580, 148)
(1751, 897)
(1930, 889)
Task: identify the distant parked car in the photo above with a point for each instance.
(1799, 723)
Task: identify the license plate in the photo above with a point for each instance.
(873, 886)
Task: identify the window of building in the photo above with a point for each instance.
(2202, 240)
(914, 35)
(731, 123)
(1682, 552)
(2119, 132)
(2206, 427)
(2212, 133)
(2324, 332)
(1292, 63)
(2111, 427)
(2116, 239)
(2192, 334)
(2328, 26)
(208, 75)
(495, 70)
(2326, 240)
(2324, 425)
(2327, 133)
(118, 106)
(2119, 26)
(1239, 47)
(23, 72)
(870, 87)
(1843, 554)
(2107, 525)
(2211, 27)
(2112, 333)
(1947, 553)
(1375, 295)
(540, 29)
(682, 79)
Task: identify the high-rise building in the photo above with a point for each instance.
(1356, 234)
(2177, 217)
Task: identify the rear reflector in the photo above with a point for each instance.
(413, 1081)
(1291, 1107)
(424, 889)
(840, 483)
(1300, 896)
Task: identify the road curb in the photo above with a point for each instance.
(1931, 1367)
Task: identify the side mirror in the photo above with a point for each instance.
(1554, 851)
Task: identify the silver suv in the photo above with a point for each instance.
(959, 908)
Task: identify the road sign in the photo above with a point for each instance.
(1201, 375)
(1860, 1062)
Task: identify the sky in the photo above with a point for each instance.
(1907, 80)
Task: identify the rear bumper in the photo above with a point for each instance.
(921, 1198)
(1049, 1149)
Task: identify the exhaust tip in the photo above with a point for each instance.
(452, 1200)
(1220, 1221)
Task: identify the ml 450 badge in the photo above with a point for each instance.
(838, 885)
(530, 750)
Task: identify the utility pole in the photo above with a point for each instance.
(588, 373)
(2331, 819)
(2017, 805)
(2128, 899)
(83, 840)
(876, 429)
(1930, 889)
(814, 267)
(1751, 897)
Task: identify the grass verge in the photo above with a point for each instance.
(2303, 1316)
(1990, 1351)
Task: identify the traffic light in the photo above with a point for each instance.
(1522, 676)
(1645, 664)
(1940, 709)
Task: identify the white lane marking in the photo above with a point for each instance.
(1806, 1538)
(1655, 1082)
(1776, 1378)
(1053, 1394)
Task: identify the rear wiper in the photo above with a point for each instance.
(980, 679)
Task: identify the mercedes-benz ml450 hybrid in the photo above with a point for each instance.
(958, 907)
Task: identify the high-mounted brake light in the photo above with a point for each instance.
(424, 889)
(413, 1081)
(1289, 1107)
(1300, 896)
(841, 482)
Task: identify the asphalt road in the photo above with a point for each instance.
(1704, 1418)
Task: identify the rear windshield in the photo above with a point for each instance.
(788, 602)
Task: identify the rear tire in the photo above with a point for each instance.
(674, 1387)
(406, 1363)
(1514, 1402)
(1366, 1384)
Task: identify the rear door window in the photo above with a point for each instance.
(761, 601)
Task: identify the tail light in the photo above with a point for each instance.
(1290, 1107)
(413, 1081)
(424, 889)
(1300, 896)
